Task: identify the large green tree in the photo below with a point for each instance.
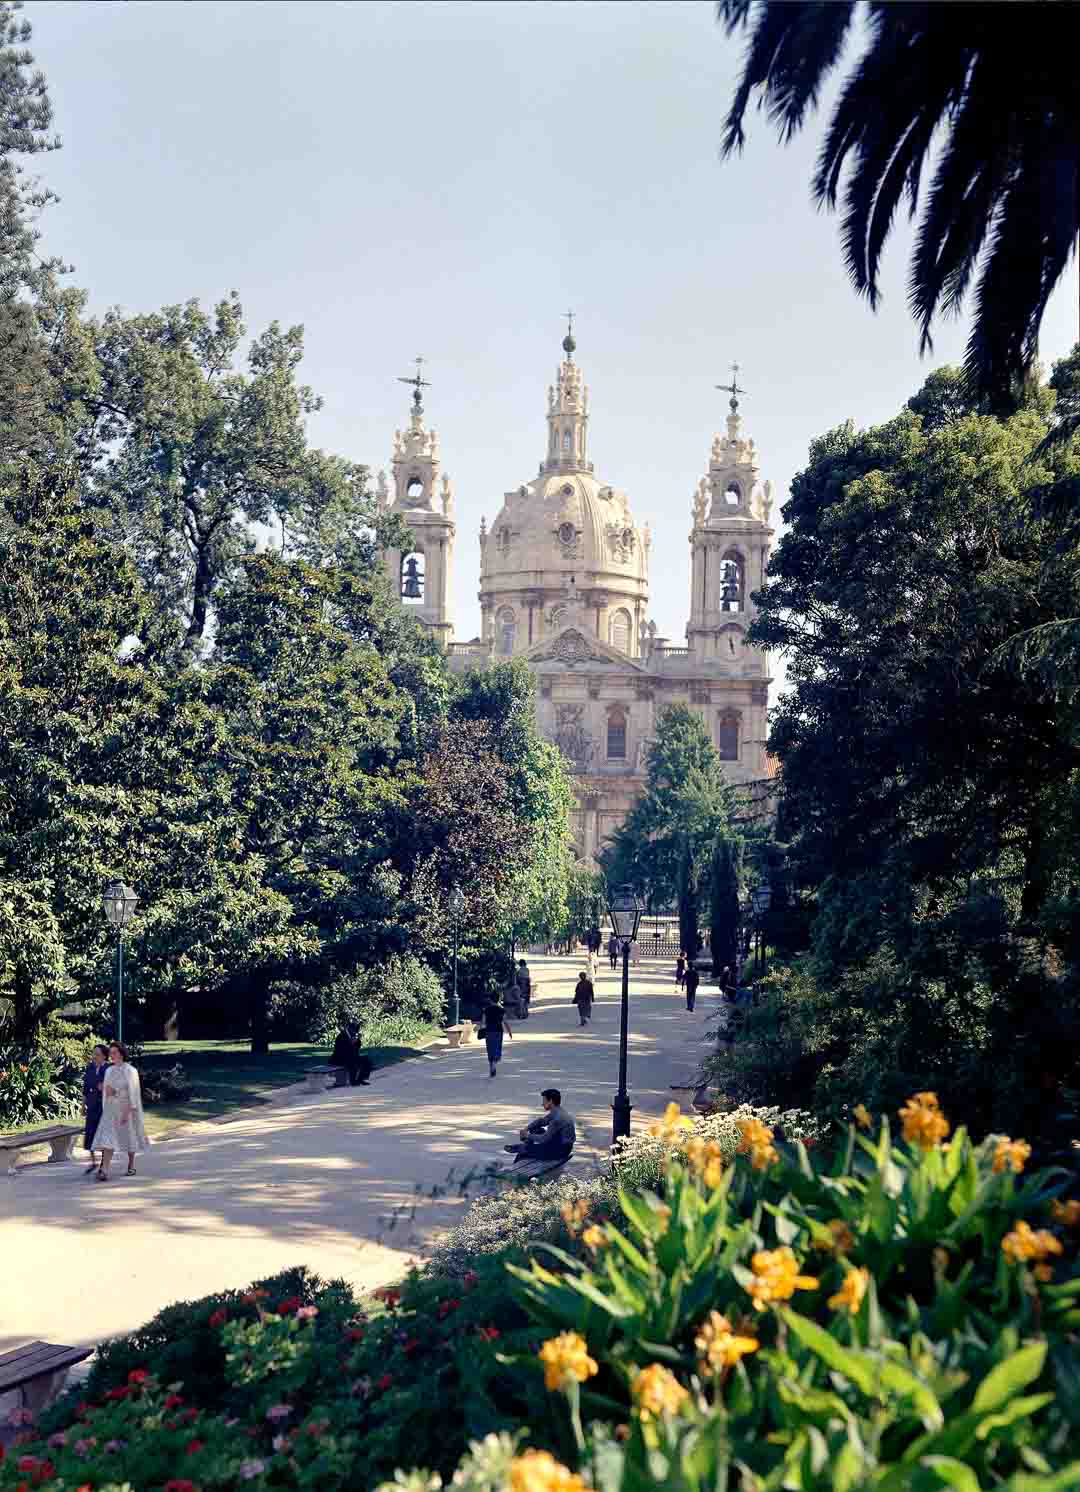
(665, 844)
(983, 95)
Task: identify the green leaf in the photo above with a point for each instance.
(952, 1473)
(1015, 1373)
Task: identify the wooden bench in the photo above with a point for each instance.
(60, 1136)
(37, 1370)
(315, 1078)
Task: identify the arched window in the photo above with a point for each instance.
(732, 582)
(727, 736)
(556, 618)
(616, 735)
(415, 487)
(619, 632)
(733, 495)
(505, 628)
(412, 577)
(566, 440)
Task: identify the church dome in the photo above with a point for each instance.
(565, 531)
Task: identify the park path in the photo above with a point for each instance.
(340, 1181)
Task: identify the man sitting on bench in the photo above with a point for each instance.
(549, 1138)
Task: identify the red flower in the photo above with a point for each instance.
(218, 1318)
(193, 1446)
(291, 1303)
(178, 1484)
(388, 1296)
(191, 1415)
(117, 1393)
(138, 1375)
(26, 1463)
(384, 1382)
(356, 1334)
(44, 1472)
(489, 1333)
(446, 1306)
(252, 1296)
(83, 1410)
(172, 1401)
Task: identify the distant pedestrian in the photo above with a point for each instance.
(693, 979)
(584, 995)
(495, 1023)
(594, 939)
(93, 1079)
(524, 979)
(727, 983)
(121, 1126)
(680, 968)
(613, 951)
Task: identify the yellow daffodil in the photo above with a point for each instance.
(538, 1471)
(671, 1126)
(849, 1297)
(924, 1123)
(719, 1346)
(566, 1360)
(657, 1391)
(594, 1238)
(1027, 1245)
(574, 1215)
(862, 1116)
(1066, 1213)
(1011, 1154)
(776, 1277)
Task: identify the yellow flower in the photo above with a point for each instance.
(1011, 1153)
(756, 1142)
(671, 1125)
(538, 1471)
(594, 1238)
(1066, 1213)
(657, 1392)
(862, 1116)
(849, 1297)
(566, 1360)
(777, 1277)
(842, 1240)
(713, 1175)
(718, 1346)
(574, 1215)
(924, 1123)
(1026, 1245)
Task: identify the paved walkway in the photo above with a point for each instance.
(338, 1181)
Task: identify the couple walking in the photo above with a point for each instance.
(112, 1100)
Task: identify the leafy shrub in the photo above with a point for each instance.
(165, 1084)
(402, 995)
(506, 1225)
(42, 1080)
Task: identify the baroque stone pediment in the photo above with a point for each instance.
(573, 647)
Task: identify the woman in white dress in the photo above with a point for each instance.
(121, 1126)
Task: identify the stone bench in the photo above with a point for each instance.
(60, 1136)
(315, 1078)
(37, 1371)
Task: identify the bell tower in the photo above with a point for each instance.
(424, 501)
(568, 413)
(729, 547)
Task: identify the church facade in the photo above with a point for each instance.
(564, 584)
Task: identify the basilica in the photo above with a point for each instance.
(564, 584)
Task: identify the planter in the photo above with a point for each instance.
(457, 1035)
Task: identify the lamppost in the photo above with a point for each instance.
(118, 903)
(624, 910)
(762, 898)
(457, 907)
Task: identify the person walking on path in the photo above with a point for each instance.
(93, 1078)
(680, 969)
(613, 951)
(584, 995)
(524, 979)
(693, 979)
(495, 1023)
(121, 1126)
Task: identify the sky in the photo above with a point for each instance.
(446, 180)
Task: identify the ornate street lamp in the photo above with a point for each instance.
(762, 898)
(624, 910)
(118, 902)
(457, 909)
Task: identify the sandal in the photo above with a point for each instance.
(101, 1176)
(131, 1171)
(90, 1170)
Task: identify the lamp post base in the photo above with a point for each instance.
(620, 1110)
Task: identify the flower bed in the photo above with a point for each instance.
(870, 1314)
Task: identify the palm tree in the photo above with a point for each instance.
(996, 87)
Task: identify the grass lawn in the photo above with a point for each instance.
(227, 1076)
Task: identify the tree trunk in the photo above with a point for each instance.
(200, 601)
(259, 1009)
(688, 922)
(22, 999)
(725, 906)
